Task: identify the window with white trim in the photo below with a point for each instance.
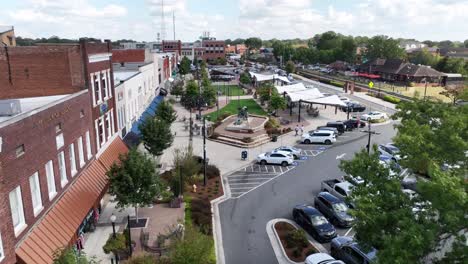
(102, 131)
(2, 253)
(108, 124)
(80, 152)
(93, 88)
(35, 193)
(88, 146)
(71, 154)
(109, 83)
(59, 140)
(62, 169)
(97, 88)
(50, 179)
(104, 84)
(17, 212)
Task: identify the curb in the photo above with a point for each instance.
(276, 243)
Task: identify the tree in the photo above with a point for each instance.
(209, 95)
(221, 61)
(465, 43)
(166, 112)
(290, 67)
(452, 65)
(329, 41)
(456, 92)
(178, 89)
(423, 57)
(194, 248)
(190, 97)
(264, 92)
(348, 49)
(184, 65)
(431, 134)
(253, 43)
(385, 218)
(384, 47)
(68, 256)
(245, 78)
(277, 102)
(156, 135)
(134, 181)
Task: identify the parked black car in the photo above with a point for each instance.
(351, 252)
(314, 223)
(353, 107)
(334, 209)
(340, 126)
(353, 123)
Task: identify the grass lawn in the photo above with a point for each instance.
(252, 108)
(233, 90)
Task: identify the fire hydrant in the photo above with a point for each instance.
(194, 188)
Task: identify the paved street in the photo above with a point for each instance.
(243, 219)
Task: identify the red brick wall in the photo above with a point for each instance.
(37, 133)
(128, 55)
(172, 46)
(40, 71)
(213, 54)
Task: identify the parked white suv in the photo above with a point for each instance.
(319, 136)
(277, 157)
(374, 116)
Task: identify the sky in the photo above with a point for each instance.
(281, 19)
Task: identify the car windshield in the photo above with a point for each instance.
(340, 207)
(318, 220)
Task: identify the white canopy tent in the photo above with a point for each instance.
(290, 88)
(305, 95)
(270, 77)
(329, 100)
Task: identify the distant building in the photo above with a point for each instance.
(7, 36)
(237, 49)
(214, 49)
(172, 46)
(432, 50)
(411, 44)
(455, 53)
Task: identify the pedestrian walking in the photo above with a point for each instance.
(297, 130)
(358, 123)
(302, 129)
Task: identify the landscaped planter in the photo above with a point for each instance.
(293, 251)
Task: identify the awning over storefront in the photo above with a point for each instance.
(112, 153)
(149, 112)
(305, 95)
(268, 77)
(59, 226)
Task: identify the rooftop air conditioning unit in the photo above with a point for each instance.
(10, 107)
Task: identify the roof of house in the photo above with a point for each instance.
(419, 71)
(398, 66)
(390, 66)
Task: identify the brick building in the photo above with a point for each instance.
(58, 137)
(214, 49)
(172, 46)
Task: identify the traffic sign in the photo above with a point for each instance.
(371, 84)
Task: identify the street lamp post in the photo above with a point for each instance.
(113, 218)
(204, 151)
(369, 132)
(425, 88)
(130, 248)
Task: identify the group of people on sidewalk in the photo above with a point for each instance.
(297, 129)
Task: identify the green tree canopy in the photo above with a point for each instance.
(424, 57)
(156, 135)
(452, 65)
(277, 102)
(166, 112)
(384, 47)
(245, 78)
(184, 65)
(431, 133)
(253, 43)
(190, 96)
(68, 256)
(133, 181)
(290, 67)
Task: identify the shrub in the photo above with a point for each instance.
(272, 123)
(297, 252)
(117, 244)
(273, 131)
(411, 84)
(195, 248)
(337, 84)
(391, 99)
(212, 171)
(296, 239)
(141, 259)
(311, 251)
(172, 100)
(201, 215)
(377, 120)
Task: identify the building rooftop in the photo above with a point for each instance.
(27, 106)
(121, 76)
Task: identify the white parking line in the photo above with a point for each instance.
(252, 175)
(250, 180)
(274, 170)
(243, 183)
(347, 232)
(242, 188)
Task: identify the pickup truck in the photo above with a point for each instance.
(340, 189)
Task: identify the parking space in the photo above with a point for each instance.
(248, 178)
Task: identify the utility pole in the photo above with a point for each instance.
(369, 132)
(173, 23)
(199, 90)
(204, 151)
